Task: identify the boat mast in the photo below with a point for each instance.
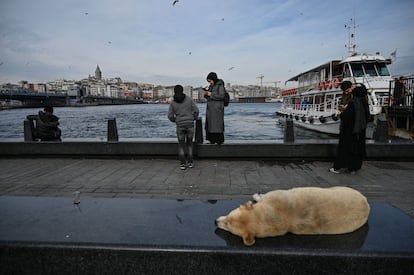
(351, 37)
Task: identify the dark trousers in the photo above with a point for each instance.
(185, 136)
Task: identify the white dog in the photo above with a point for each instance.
(306, 210)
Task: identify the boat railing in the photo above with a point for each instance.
(406, 101)
(309, 109)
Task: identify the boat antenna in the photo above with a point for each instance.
(351, 46)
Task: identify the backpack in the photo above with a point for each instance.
(226, 98)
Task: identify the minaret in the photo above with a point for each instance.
(98, 73)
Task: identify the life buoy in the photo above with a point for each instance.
(329, 84)
(337, 83)
(326, 85)
(321, 85)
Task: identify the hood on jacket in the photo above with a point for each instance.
(179, 95)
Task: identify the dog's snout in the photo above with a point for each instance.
(215, 222)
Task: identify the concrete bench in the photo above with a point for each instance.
(51, 235)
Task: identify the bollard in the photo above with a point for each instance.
(28, 130)
(289, 133)
(381, 131)
(199, 131)
(112, 130)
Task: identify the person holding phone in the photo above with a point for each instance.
(214, 94)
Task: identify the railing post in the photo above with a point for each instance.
(199, 131)
(289, 133)
(112, 130)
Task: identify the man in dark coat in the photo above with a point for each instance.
(399, 91)
(215, 109)
(354, 119)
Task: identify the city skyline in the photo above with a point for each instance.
(164, 44)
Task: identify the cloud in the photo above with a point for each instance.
(150, 40)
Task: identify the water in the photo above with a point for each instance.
(243, 121)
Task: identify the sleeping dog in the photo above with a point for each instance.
(305, 210)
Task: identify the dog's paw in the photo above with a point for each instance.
(257, 197)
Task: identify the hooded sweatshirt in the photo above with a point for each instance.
(183, 111)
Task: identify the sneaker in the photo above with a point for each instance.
(183, 166)
(190, 165)
(332, 170)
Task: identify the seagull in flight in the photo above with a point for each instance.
(231, 68)
(175, 2)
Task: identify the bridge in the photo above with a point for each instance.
(32, 99)
(29, 98)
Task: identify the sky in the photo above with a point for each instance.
(154, 41)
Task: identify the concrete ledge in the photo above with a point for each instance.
(325, 149)
(54, 259)
(50, 235)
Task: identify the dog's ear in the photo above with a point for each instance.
(248, 205)
(248, 239)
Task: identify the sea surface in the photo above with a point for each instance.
(243, 121)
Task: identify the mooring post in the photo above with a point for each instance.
(199, 131)
(112, 130)
(289, 133)
(28, 130)
(381, 131)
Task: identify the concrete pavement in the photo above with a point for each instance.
(381, 181)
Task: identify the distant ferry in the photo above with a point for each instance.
(314, 103)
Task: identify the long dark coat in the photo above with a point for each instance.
(399, 91)
(351, 147)
(215, 109)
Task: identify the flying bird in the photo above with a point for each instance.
(231, 68)
(189, 53)
(86, 13)
(175, 2)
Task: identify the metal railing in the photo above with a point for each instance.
(406, 101)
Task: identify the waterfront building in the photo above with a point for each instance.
(113, 91)
(96, 89)
(195, 94)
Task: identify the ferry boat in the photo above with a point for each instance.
(313, 105)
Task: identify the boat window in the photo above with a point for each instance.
(382, 69)
(357, 69)
(347, 72)
(370, 69)
(337, 72)
(329, 101)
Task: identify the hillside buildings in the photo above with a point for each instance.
(97, 86)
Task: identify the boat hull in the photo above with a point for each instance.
(328, 126)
